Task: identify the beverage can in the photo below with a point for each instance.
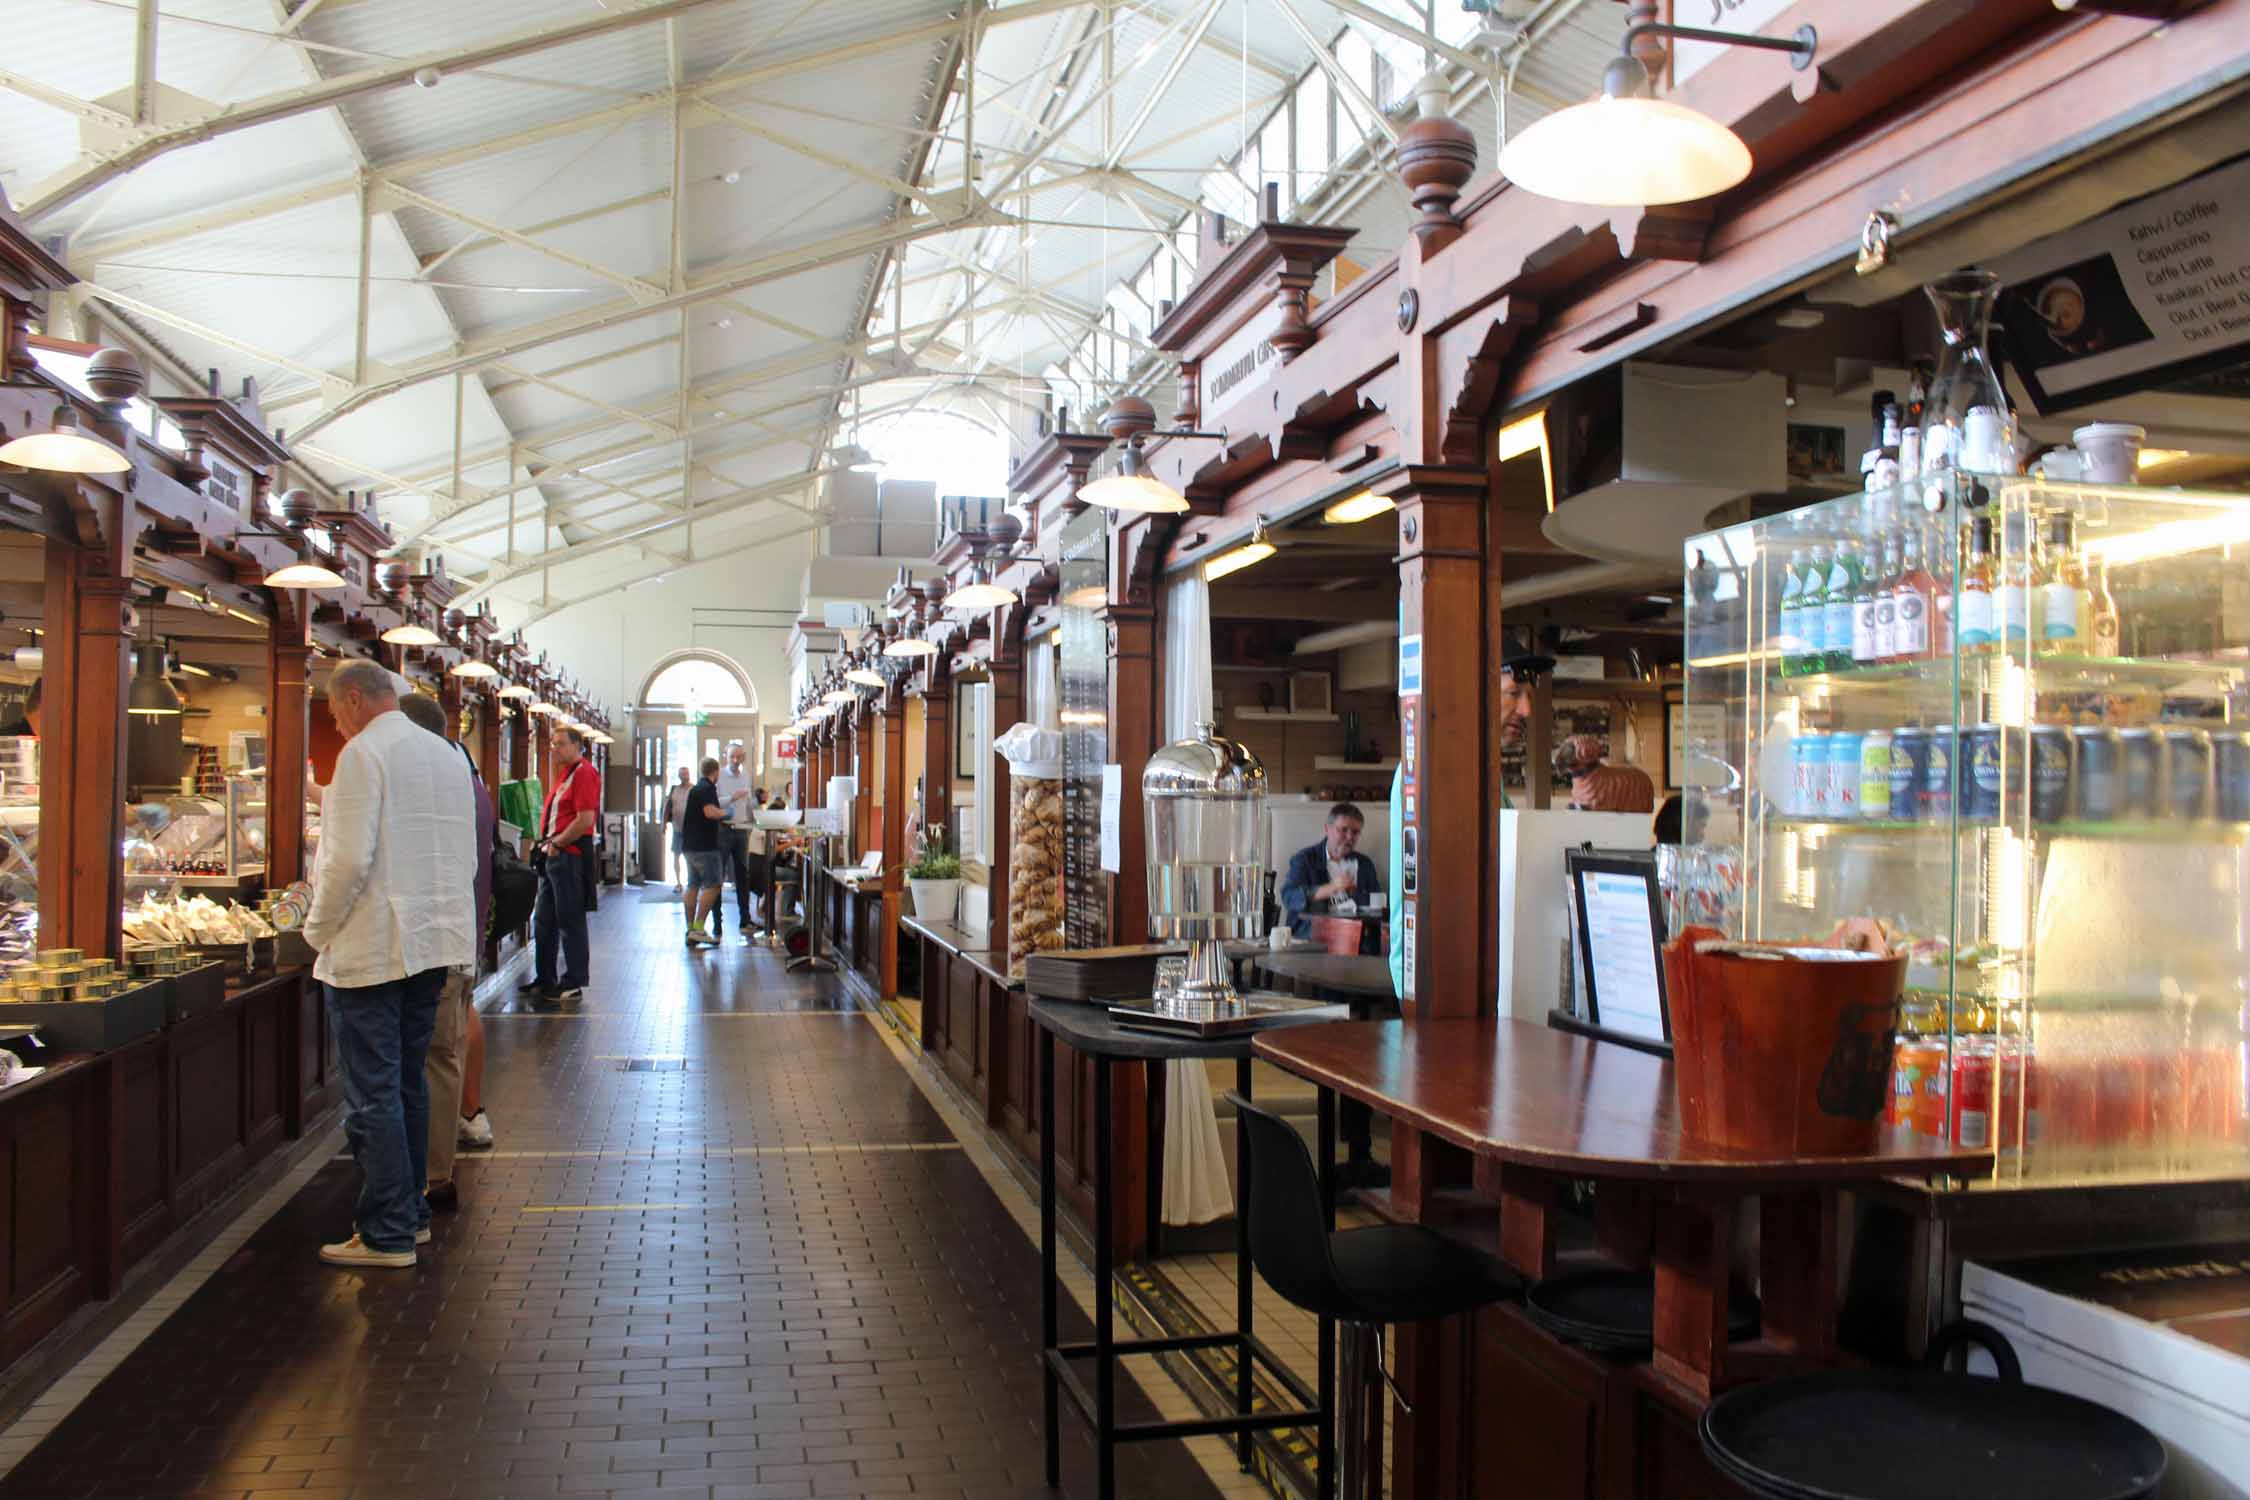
(1910, 768)
(1843, 775)
(2101, 781)
(2141, 758)
(2050, 773)
(1937, 786)
(1993, 755)
(1924, 1063)
(2230, 774)
(1971, 1098)
(1875, 775)
(1809, 774)
(2121, 1100)
(1898, 1104)
(2187, 773)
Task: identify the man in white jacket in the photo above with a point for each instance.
(397, 848)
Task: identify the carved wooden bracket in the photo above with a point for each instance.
(1485, 340)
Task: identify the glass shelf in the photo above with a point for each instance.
(2047, 670)
(2146, 831)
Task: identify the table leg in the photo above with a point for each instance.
(1691, 1293)
(1327, 1331)
(1049, 1319)
(1242, 1267)
(1105, 1353)
(1798, 1254)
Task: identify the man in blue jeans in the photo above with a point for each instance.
(559, 949)
(397, 847)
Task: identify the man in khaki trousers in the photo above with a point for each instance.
(450, 1043)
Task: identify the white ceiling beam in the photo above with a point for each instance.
(1123, 143)
(144, 64)
(1367, 15)
(85, 109)
(389, 195)
(76, 182)
(694, 556)
(811, 152)
(478, 353)
(149, 310)
(1337, 74)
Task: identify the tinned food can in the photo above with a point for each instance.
(2187, 773)
(2101, 780)
(1910, 769)
(1994, 755)
(2050, 773)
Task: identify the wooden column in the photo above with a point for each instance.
(862, 772)
(1006, 671)
(895, 854)
(82, 738)
(488, 749)
(1441, 580)
(1135, 731)
(289, 730)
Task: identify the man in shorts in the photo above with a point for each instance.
(706, 860)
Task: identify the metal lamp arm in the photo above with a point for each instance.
(1800, 45)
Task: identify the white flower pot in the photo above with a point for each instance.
(934, 900)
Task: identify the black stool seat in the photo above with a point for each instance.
(1926, 1435)
(1614, 1311)
(1403, 1273)
(1391, 1273)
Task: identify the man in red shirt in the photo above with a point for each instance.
(565, 845)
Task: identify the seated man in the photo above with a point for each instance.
(1319, 873)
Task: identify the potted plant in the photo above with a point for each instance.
(934, 877)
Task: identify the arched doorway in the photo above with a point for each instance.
(691, 705)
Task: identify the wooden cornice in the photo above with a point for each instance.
(1221, 299)
(26, 269)
(1058, 456)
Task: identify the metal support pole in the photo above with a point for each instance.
(1326, 1117)
(1105, 1333)
(1049, 1319)
(1242, 1267)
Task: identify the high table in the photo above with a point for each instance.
(1092, 1030)
(1538, 1108)
(1360, 980)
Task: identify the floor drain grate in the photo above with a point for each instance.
(652, 1065)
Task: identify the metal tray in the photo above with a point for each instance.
(1252, 1013)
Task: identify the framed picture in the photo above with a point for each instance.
(1309, 693)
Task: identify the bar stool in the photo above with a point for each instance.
(1365, 1279)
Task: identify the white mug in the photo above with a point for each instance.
(1278, 939)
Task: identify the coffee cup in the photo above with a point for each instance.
(2110, 451)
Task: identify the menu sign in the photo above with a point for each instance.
(2149, 293)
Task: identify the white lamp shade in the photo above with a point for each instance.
(472, 668)
(411, 634)
(515, 692)
(1626, 152)
(980, 596)
(865, 677)
(66, 450)
(912, 645)
(304, 576)
(1133, 492)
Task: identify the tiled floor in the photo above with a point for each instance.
(727, 1247)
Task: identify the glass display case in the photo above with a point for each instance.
(198, 841)
(2005, 724)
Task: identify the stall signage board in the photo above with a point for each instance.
(1409, 665)
(1241, 366)
(1084, 681)
(2144, 295)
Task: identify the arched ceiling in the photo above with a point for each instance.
(585, 289)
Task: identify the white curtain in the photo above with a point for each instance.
(1196, 1190)
(1042, 691)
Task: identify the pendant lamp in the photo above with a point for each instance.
(474, 669)
(865, 677)
(152, 697)
(65, 448)
(515, 692)
(411, 634)
(1235, 559)
(304, 575)
(1132, 491)
(911, 645)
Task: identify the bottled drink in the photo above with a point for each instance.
(1812, 612)
(1978, 625)
(1943, 556)
(1842, 590)
(2105, 637)
(1911, 604)
(2017, 582)
(1792, 633)
(1882, 585)
(2066, 604)
(1864, 590)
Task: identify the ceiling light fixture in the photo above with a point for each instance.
(515, 692)
(65, 448)
(981, 594)
(1235, 559)
(152, 697)
(1352, 509)
(475, 670)
(911, 645)
(545, 709)
(1132, 491)
(411, 634)
(866, 677)
(1627, 149)
(840, 697)
(1528, 435)
(304, 575)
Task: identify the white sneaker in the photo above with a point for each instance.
(422, 1236)
(356, 1252)
(474, 1133)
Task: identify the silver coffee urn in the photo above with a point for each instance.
(1205, 800)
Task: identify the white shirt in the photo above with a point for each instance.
(675, 805)
(733, 784)
(397, 852)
